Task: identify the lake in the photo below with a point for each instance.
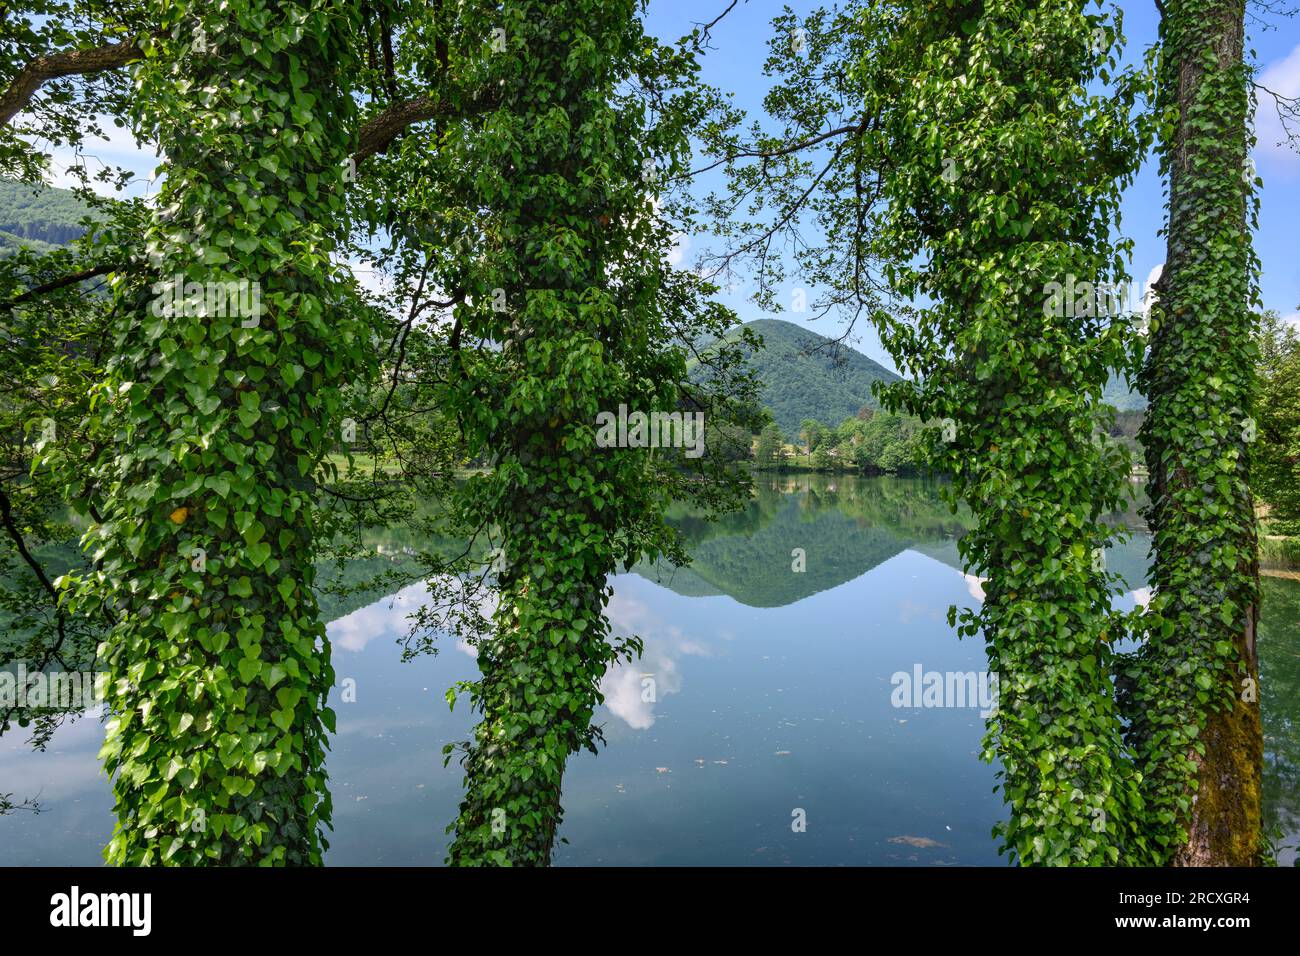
(759, 728)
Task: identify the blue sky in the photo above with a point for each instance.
(736, 64)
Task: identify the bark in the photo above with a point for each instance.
(69, 63)
(373, 137)
(1226, 817)
(1204, 293)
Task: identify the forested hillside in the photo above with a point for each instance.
(807, 375)
(39, 217)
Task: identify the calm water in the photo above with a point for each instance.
(772, 700)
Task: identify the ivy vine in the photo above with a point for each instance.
(1002, 174)
(1191, 690)
(218, 407)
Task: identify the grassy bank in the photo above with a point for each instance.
(1278, 551)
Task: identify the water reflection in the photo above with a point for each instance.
(763, 692)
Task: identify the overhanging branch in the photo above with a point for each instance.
(374, 136)
(70, 63)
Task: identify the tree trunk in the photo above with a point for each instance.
(222, 399)
(1199, 730)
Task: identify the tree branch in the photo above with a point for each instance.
(375, 135)
(784, 150)
(379, 132)
(62, 282)
(70, 63)
(701, 35)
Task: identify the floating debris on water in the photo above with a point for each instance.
(924, 843)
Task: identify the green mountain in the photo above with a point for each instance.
(847, 525)
(1118, 393)
(806, 375)
(39, 217)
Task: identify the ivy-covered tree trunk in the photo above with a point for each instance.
(985, 135)
(220, 405)
(568, 284)
(1197, 720)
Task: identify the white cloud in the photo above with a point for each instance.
(1152, 278)
(694, 649)
(626, 685)
(1283, 78)
(118, 147)
(369, 278)
(354, 631)
(681, 245)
